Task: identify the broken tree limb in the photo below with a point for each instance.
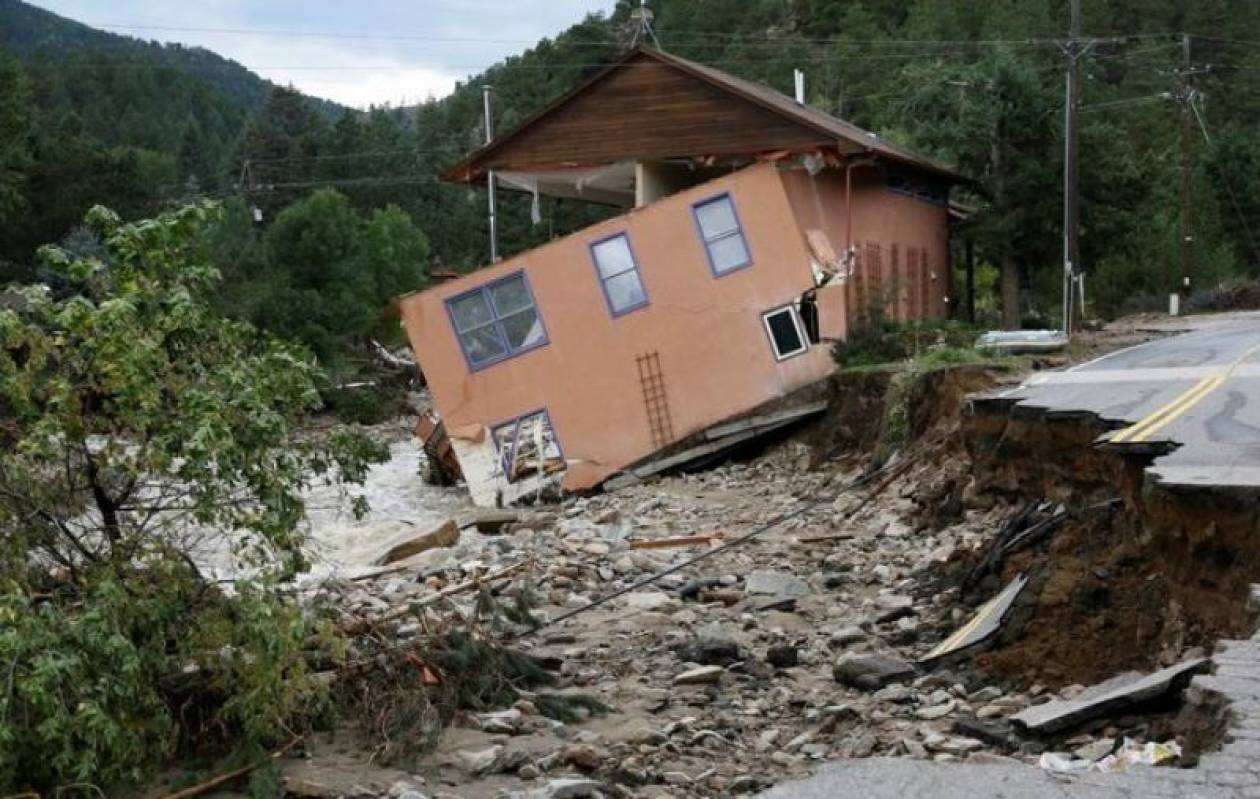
(676, 542)
(228, 776)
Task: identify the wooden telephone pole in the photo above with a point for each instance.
(1075, 48)
(1186, 97)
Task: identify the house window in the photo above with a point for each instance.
(786, 334)
(496, 321)
(723, 238)
(618, 274)
(527, 446)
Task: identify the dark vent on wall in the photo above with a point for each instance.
(655, 401)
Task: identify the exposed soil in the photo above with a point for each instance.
(1128, 589)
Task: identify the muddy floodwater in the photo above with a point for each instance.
(401, 505)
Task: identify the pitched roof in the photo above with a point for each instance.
(846, 135)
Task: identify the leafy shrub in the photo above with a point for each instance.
(141, 428)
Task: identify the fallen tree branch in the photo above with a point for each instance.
(228, 776)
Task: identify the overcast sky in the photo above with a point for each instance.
(371, 51)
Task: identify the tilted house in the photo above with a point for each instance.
(757, 231)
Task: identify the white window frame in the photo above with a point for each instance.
(796, 322)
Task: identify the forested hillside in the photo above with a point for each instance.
(978, 85)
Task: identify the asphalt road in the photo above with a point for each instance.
(1195, 396)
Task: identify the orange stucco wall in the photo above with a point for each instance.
(715, 355)
(882, 220)
(714, 351)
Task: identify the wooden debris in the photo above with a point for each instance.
(676, 542)
(445, 534)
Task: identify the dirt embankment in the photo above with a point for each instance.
(1131, 587)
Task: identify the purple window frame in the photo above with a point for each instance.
(508, 458)
(603, 282)
(739, 231)
(484, 289)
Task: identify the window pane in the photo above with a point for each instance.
(523, 329)
(470, 311)
(728, 253)
(625, 291)
(483, 344)
(511, 296)
(613, 257)
(716, 217)
(787, 339)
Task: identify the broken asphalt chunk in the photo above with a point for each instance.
(986, 622)
(1107, 698)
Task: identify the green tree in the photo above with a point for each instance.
(330, 274)
(144, 437)
(15, 121)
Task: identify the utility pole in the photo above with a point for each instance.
(486, 92)
(1075, 48)
(1186, 94)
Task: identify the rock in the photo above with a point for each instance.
(870, 672)
(744, 783)
(675, 778)
(847, 635)
(702, 675)
(583, 756)
(1095, 750)
(504, 722)
(493, 522)
(782, 657)
(478, 761)
(896, 693)
(986, 694)
(780, 584)
(934, 712)
(405, 789)
(649, 600)
(445, 534)
(568, 788)
(709, 651)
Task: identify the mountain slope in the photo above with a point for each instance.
(28, 31)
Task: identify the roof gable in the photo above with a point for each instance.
(651, 105)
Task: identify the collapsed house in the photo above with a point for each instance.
(757, 231)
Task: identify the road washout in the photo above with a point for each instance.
(739, 672)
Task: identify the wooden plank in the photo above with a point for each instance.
(778, 418)
(676, 542)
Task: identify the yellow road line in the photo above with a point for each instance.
(1169, 419)
(1161, 418)
(1168, 411)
